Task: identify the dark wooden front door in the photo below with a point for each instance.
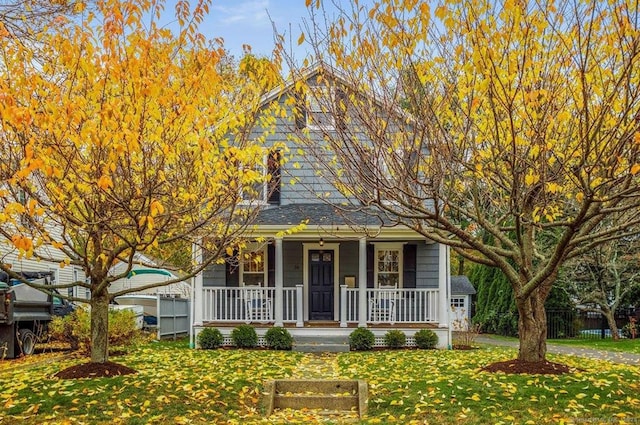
(321, 285)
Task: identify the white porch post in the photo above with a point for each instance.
(198, 292)
(299, 316)
(362, 283)
(343, 306)
(444, 304)
(279, 282)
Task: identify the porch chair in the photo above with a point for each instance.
(382, 305)
(257, 304)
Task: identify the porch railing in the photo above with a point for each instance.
(419, 305)
(247, 304)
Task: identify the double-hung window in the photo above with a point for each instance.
(256, 192)
(253, 266)
(320, 108)
(388, 264)
(266, 188)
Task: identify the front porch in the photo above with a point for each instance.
(327, 279)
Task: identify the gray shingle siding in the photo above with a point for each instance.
(348, 260)
(300, 183)
(214, 275)
(428, 260)
(292, 259)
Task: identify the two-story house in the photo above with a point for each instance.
(341, 270)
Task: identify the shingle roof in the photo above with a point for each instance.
(461, 285)
(318, 214)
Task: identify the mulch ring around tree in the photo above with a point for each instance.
(95, 370)
(533, 368)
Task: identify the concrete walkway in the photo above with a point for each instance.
(612, 356)
(318, 366)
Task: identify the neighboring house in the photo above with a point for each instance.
(461, 292)
(342, 270)
(145, 272)
(61, 275)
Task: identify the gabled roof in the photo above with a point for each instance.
(334, 74)
(303, 74)
(461, 285)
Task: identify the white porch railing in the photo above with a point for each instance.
(250, 304)
(391, 306)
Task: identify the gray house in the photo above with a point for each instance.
(340, 270)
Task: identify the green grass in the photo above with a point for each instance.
(622, 345)
(175, 384)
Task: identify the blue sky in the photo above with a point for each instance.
(249, 22)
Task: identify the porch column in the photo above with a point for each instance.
(198, 286)
(279, 303)
(343, 306)
(362, 283)
(444, 304)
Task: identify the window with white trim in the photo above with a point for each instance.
(388, 265)
(267, 189)
(257, 191)
(319, 116)
(253, 266)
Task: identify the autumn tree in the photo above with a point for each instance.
(25, 20)
(603, 278)
(125, 136)
(508, 131)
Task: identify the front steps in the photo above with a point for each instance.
(324, 344)
(327, 396)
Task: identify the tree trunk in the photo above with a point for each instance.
(99, 327)
(611, 321)
(460, 265)
(532, 328)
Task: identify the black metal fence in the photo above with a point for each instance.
(584, 324)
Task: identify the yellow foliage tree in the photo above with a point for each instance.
(507, 130)
(121, 136)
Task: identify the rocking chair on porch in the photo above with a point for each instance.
(257, 304)
(382, 305)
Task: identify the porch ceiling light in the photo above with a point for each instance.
(321, 242)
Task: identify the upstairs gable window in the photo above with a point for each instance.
(319, 116)
(323, 108)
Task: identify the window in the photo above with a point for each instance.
(322, 108)
(253, 267)
(267, 189)
(27, 219)
(388, 267)
(457, 302)
(257, 190)
(319, 115)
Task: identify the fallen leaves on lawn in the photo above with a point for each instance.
(175, 384)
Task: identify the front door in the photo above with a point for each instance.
(321, 285)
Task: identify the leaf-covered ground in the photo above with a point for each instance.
(175, 384)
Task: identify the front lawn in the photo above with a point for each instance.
(175, 384)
